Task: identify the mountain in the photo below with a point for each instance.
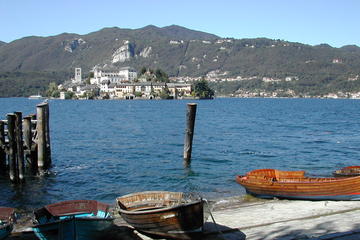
(2, 43)
(66, 51)
(179, 52)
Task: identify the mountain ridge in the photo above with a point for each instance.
(180, 52)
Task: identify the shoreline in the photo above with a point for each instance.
(246, 217)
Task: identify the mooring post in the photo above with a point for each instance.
(33, 142)
(12, 147)
(2, 147)
(47, 135)
(19, 145)
(27, 139)
(41, 136)
(189, 131)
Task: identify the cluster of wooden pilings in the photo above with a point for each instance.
(25, 143)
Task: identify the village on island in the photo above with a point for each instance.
(122, 83)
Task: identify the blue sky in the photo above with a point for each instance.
(335, 22)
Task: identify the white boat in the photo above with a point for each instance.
(36, 97)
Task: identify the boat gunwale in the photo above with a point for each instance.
(97, 205)
(300, 180)
(160, 209)
(73, 219)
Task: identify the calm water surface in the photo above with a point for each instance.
(103, 149)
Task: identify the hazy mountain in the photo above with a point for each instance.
(179, 52)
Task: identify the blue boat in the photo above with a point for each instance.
(72, 220)
(7, 218)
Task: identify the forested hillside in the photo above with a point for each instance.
(30, 63)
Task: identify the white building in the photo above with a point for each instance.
(146, 89)
(77, 78)
(120, 75)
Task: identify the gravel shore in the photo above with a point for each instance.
(255, 219)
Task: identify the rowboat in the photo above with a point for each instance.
(347, 171)
(7, 218)
(72, 220)
(163, 214)
(270, 183)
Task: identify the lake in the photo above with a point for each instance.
(102, 149)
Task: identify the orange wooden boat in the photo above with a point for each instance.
(347, 171)
(164, 214)
(270, 183)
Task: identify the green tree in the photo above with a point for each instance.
(165, 93)
(69, 95)
(143, 70)
(53, 90)
(91, 75)
(202, 89)
(138, 94)
(161, 76)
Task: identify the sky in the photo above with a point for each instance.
(334, 22)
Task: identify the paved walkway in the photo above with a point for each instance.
(283, 219)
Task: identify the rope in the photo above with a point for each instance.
(213, 219)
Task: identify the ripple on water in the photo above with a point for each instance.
(104, 149)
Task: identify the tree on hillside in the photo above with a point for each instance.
(53, 90)
(202, 89)
(153, 76)
(165, 93)
(161, 76)
(143, 70)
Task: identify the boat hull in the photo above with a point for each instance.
(73, 229)
(183, 221)
(72, 220)
(5, 230)
(274, 194)
(301, 188)
(7, 218)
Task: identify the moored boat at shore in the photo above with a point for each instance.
(164, 214)
(72, 220)
(270, 183)
(347, 171)
(7, 218)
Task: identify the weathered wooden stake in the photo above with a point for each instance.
(19, 146)
(47, 134)
(2, 147)
(41, 137)
(33, 156)
(12, 147)
(27, 139)
(189, 131)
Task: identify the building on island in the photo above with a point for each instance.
(77, 78)
(113, 75)
(120, 83)
(145, 89)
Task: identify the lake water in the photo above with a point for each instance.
(104, 149)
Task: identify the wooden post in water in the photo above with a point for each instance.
(189, 131)
(34, 145)
(19, 146)
(27, 130)
(2, 147)
(41, 136)
(12, 147)
(47, 135)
